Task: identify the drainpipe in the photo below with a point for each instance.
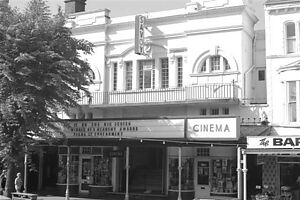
(127, 174)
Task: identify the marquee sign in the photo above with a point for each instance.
(268, 142)
(156, 128)
(140, 34)
(213, 128)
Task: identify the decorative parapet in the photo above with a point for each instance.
(89, 18)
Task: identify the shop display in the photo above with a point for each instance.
(187, 180)
(102, 171)
(74, 169)
(223, 180)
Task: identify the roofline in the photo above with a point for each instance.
(276, 3)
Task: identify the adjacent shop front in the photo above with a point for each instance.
(278, 158)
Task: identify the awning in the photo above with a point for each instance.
(273, 151)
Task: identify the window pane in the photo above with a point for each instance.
(261, 75)
(226, 64)
(292, 91)
(147, 79)
(164, 73)
(215, 63)
(290, 30)
(179, 72)
(128, 75)
(115, 65)
(292, 112)
(291, 45)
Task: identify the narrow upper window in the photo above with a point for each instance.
(261, 75)
(290, 37)
(146, 74)
(164, 72)
(115, 75)
(179, 72)
(128, 75)
(292, 104)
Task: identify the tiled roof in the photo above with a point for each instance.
(268, 2)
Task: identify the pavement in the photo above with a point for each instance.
(52, 198)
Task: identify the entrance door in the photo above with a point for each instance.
(202, 188)
(86, 177)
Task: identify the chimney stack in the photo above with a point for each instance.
(74, 6)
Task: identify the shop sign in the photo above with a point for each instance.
(139, 34)
(213, 128)
(156, 128)
(268, 142)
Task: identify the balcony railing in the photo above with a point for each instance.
(166, 95)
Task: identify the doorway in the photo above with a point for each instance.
(85, 176)
(202, 188)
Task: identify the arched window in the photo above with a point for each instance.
(215, 63)
(290, 37)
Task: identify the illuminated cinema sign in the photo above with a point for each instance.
(152, 128)
(269, 142)
(213, 128)
(140, 34)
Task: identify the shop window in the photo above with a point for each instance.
(224, 177)
(62, 169)
(290, 37)
(146, 74)
(187, 176)
(128, 74)
(179, 72)
(164, 72)
(102, 171)
(86, 150)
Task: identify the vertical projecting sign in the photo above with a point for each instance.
(139, 34)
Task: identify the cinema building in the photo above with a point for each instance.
(174, 92)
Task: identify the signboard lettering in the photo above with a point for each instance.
(213, 128)
(273, 142)
(139, 34)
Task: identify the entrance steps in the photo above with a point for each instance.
(134, 196)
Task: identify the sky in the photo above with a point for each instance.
(131, 7)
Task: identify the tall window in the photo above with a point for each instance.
(115, 76)
(179, 72)
(146, 74)
(292, 105)
(290, 37)
(128, 74)
(164, 72)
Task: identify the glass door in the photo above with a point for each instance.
(86, 176)
(202, 188)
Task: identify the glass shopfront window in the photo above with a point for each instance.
(187, 180)
(74, 169)
(102, 171)
(223, 180)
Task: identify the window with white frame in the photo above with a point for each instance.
(164, 62)
(115, 76)
(290, 29)
(216, 63)
(292, 101)
(128, 75)
(146, 74)
(179, 71)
